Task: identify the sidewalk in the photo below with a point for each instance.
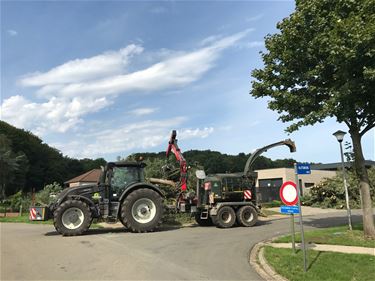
(327, 248)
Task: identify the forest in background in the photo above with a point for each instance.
(28, 163)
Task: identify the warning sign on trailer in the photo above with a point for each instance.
(288, 193)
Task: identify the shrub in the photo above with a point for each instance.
(330, 193)
(19, 199)
(48, 194)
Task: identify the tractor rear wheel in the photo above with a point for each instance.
(203, 222)
(247, 216)
(142, 210)
(225, 217)
(73, 217)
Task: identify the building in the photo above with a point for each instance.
(270, 180)
(337, 166)
(88, 178)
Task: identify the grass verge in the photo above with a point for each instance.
(268, 212)
(321, 265)
(333, 236)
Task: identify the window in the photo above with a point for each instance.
(276, 182)
(123, 176)
(309, 184)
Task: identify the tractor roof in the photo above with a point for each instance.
(127, 164)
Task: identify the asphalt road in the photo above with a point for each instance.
(37, 252)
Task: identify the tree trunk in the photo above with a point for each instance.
(364, 184)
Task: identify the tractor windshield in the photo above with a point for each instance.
(124, 176)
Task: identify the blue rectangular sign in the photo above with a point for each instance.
(289, 210)
(303, 169)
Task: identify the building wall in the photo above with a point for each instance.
(287, 174)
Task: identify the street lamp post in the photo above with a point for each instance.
(340, 136)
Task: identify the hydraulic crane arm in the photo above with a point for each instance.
(248, 167)
(172, 146)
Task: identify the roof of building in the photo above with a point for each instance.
(90, 176)
(337, 166)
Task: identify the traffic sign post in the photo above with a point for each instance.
(289, 195)
(303, 172)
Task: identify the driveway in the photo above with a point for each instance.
(30, 251)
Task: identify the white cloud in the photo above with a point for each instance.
(106, 64)
(143, 111)
(142, 135)
(79, 87)
(12, 32)
(195, 133)
(55, 115)
(210, 39)
(176, 71)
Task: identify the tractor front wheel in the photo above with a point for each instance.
(142, 210)
(73, 217)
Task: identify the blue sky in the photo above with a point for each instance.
(105, 79)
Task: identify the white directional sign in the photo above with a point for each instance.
(288, 193)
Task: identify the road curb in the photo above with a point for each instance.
(259, 263)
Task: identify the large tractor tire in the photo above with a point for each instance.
(73, 217)
(142, 210)
(225, 217)
(203, 222)
(247, 216)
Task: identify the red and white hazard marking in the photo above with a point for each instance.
(247, 194)
(32, 213)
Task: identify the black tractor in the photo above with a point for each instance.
(120, 195)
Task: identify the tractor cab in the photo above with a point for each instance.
(117, 176)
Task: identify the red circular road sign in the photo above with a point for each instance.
(288, 193)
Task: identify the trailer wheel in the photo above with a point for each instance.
(73, 217)
(225, 217)
(142, 210)
(203, 222)
(247, 216)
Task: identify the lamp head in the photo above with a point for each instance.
(339, 135)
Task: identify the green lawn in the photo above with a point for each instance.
(321, 265)
(268, 212)
(333, 236)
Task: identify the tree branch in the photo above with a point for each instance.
(367, 128)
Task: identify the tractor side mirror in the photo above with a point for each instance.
(200, 174)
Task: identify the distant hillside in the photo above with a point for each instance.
(44, 164)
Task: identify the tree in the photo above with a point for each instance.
(10, 163)
(322, 64)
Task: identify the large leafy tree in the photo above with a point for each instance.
(10, 164)
(322, 64)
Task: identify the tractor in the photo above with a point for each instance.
(120, 195)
